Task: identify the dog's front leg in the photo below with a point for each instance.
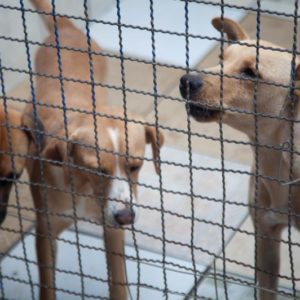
(268, 248)
(268, 259)
(46, 252)
(47, 231)
(116, 263)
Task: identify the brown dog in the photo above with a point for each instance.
(103, 180)
(239, 94)
(16, 135)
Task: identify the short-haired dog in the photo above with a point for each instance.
(93, 156)
(256, 100)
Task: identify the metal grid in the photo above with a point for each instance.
(287, 147)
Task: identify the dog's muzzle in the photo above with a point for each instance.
(201, 112)
(124, 216)
(189, 85)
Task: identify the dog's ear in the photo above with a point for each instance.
(59, 151)
(34, 129)
(233, 30)
(156, 142)
(56, 151)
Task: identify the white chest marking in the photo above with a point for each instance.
(120, 189)
(114, 135)
(119, 193)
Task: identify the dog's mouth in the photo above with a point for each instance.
(201, 112)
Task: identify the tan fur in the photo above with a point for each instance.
(238, 94)
(13, 140)
(80, 130)
(16, 136)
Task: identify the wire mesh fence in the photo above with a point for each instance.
(146, 154)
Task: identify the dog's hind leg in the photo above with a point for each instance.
(114, 244)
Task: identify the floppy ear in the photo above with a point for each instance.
(59, 150)
(56, 150)
(34, 129)
(156, 143)
(233, 30)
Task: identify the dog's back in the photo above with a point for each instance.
(66, 56)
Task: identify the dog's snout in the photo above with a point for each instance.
(189, 84)
(125, 216)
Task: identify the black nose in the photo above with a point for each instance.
(125, 216)
(189, 84)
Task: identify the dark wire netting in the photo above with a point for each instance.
(219, 278)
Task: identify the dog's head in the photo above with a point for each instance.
(111, 173)
(16, 135)
(237, 89)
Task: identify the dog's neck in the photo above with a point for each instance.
(275, 143)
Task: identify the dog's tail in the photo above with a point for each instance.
(46, 10)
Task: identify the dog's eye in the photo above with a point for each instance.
(248, 72)
(135, 168)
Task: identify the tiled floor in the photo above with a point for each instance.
(179, 207)
(68, 280)
(171, 113)
(212, 289)
(241, 249)
(12, 230)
